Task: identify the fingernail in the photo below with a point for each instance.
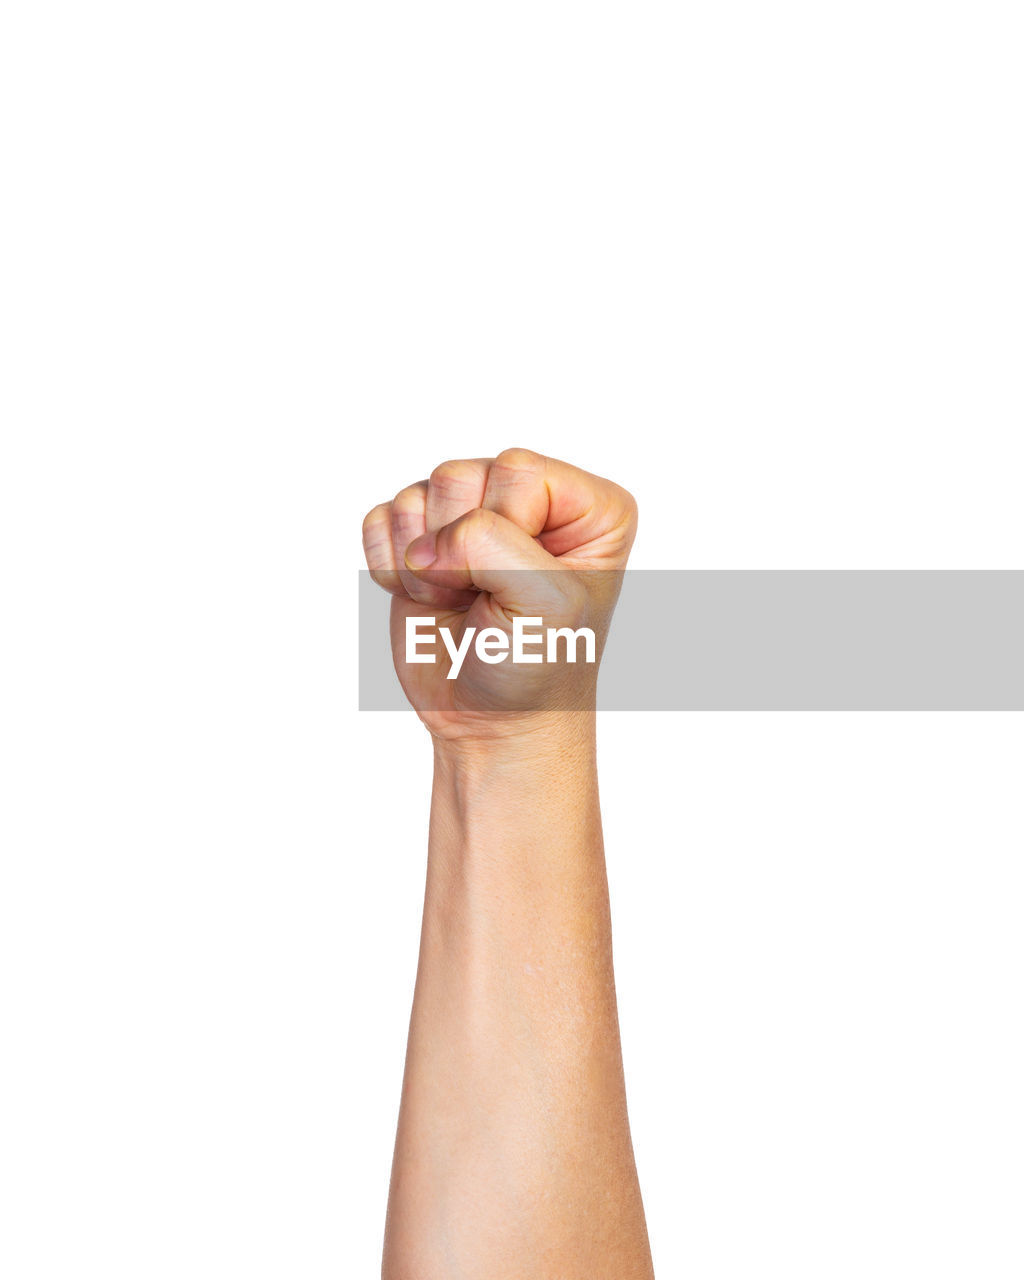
(421, 552)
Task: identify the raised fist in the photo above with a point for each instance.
(503, 553)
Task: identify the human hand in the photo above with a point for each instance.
(485, 541)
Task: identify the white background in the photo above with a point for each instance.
(261, 265)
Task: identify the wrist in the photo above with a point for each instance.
(522, 799)
(539, 738)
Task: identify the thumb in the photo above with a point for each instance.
(486, 551)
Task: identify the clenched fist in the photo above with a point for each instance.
(482, 543)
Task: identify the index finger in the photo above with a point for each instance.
(566, 508)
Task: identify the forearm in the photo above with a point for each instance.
(513, 1156)
(513, 1159)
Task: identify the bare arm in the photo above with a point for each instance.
(513, 1156)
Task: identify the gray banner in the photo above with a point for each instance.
(785, 640)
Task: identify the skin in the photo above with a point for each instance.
(513, 1158)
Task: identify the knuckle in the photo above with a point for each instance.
(622, 509)
(629, 504)
(376, 520)
(454, 473)
(479, 521)
(517, 459)
(409, 499)
(474, 526)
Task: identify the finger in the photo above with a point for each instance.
(570, 510)
(408, 522)
(379, 549)
(485, 551)
(454, 488)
